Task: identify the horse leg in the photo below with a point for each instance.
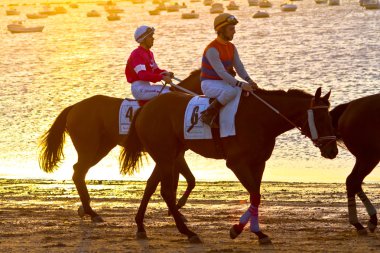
(250, 175)
(366, 166)
(85, 161)
(190, 179)
(371, 210)
(80, 171)
(353, 185)
(150, 188)
(166, 170)
(180, 165)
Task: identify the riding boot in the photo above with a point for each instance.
(209, 115)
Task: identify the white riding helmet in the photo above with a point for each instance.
(142, 32)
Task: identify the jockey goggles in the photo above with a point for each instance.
(230, 20)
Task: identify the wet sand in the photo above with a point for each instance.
(41, 216)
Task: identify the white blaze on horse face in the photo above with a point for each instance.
(312, 127)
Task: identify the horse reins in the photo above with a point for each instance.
(177, 87)
(313, 130)
(181, 88)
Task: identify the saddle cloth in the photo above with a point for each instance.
(199, 130)
(127, 110)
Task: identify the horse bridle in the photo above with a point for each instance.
(315, 138)
(317, 141)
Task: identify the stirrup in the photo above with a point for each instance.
(210, 120)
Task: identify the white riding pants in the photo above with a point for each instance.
(143, 90)
(220, 90)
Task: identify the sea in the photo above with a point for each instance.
(75, 57)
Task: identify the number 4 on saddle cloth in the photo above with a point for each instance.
(194, 128)
(127, 110)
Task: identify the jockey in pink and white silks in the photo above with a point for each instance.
(219, 59)
(141, 69)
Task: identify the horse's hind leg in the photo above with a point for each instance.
(150, 188)
(88, 156)
(354, 186)
(166, 169)
(185, 171)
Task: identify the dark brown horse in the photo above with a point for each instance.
(94, 130)
(357, 124)
(158, 129)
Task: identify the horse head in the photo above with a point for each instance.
(319, 127)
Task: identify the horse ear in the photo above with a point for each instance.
(327, 96)
(318, 93)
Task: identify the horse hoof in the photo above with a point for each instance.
(235, 231)
(265, 240)
(81, 212)
(371, 226)
(97, 219)
(141, 236)
(362, 232)
(195, 239)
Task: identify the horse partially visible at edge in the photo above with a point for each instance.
(257, 127)
(357, 124)
(93, 127)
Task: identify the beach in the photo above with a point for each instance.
(41, 216)
(76, 57)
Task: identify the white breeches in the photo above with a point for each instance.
(220, 90)
(142, 90)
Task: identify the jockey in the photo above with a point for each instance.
(219, 59)
(141, 68)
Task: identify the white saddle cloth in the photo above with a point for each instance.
(127, 111)
(202, 131)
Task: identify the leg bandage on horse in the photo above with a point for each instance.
(371, 210)
(251, 214)
(352, 214)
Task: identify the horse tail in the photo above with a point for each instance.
(51, 143)
(130, 158)
(335, 116)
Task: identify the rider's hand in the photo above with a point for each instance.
(166, 78)
(166, 73)
(253, 84)
(247, 86)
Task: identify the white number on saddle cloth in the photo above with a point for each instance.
(126, 112)
(194, 128)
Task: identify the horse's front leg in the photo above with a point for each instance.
(363, 166)
(371, 210)
(250, 176)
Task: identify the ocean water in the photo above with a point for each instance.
(75, 57)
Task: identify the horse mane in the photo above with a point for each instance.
(335, 116)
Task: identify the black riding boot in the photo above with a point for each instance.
(209, 115)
